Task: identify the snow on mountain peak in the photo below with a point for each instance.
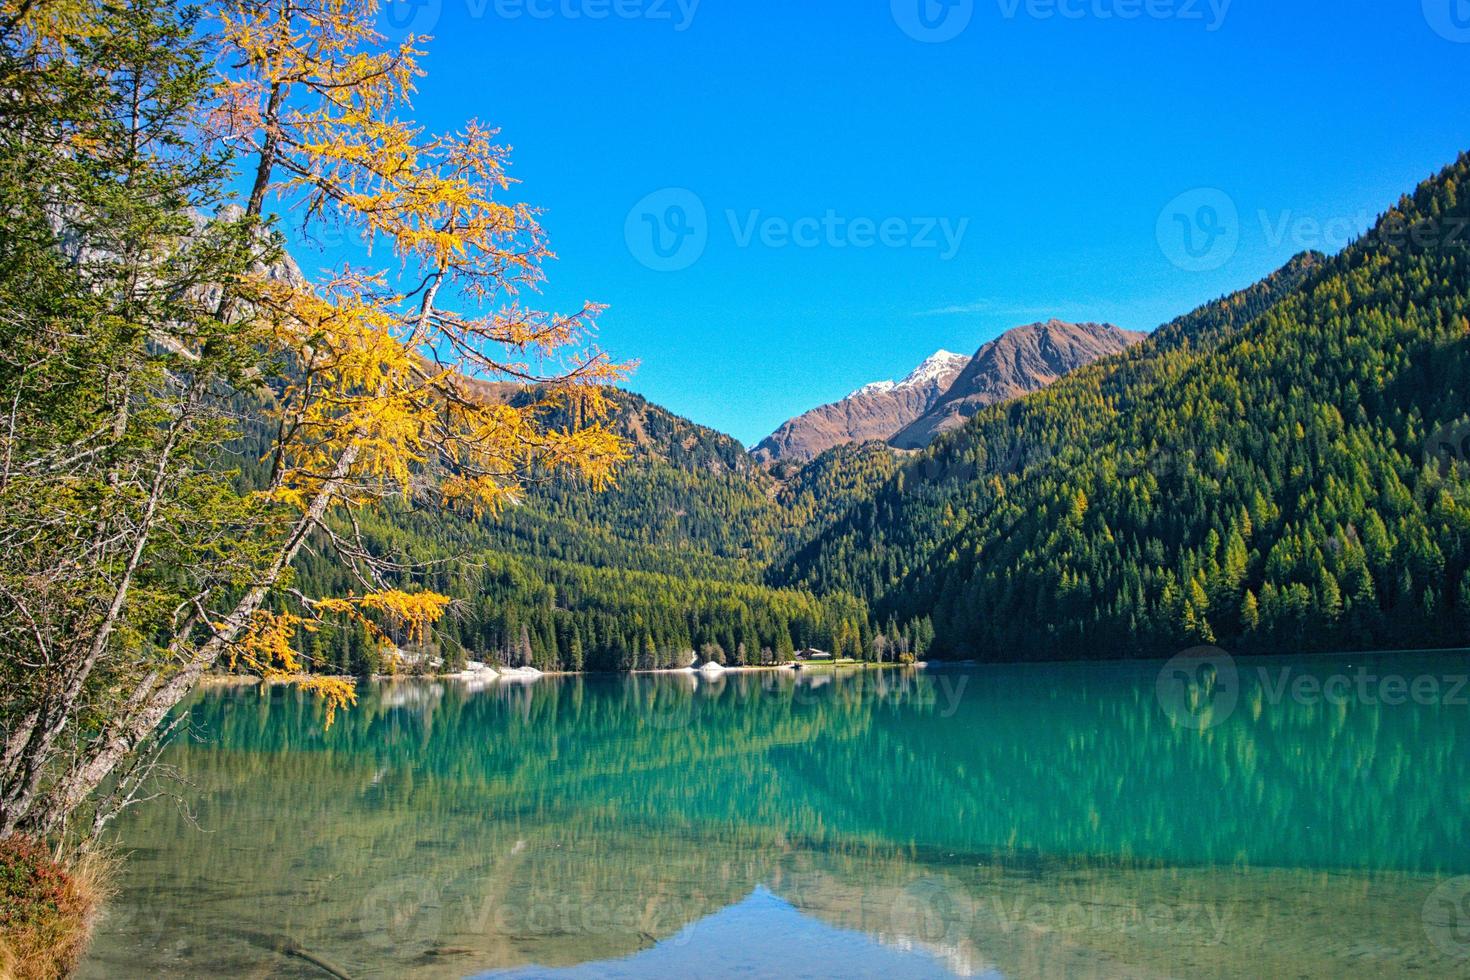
(934, 369)
(873, 388)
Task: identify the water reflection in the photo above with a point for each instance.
(790, 944)
(1022, 821)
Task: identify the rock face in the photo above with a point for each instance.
(1019, 361)
(946, 389)
(874, 411)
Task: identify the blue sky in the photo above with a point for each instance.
(876, 185)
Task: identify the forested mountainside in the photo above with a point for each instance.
(668, 561)
(1279, 471)
(687, 490)
(1254, 474)
(821, 492)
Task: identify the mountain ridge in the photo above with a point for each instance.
(944, 390)
(1021, 360)
(1266, 476)
(873, 412)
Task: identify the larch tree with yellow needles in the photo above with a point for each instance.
(372, 376)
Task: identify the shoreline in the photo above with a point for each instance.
(516, 673)
(523, 674)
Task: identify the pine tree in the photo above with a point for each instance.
(524, 654)
(1250, 613)
(576, 659)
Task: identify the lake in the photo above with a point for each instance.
(1258, 818)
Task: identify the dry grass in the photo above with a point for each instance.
(47, 909)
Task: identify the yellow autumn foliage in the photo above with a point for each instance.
(264, 649)
(425, 378)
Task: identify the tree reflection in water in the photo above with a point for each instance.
(1030, 821)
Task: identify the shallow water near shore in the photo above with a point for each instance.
(1057, 820)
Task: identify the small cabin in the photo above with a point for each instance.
(811, 655)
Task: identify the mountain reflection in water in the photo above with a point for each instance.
(1018, 821)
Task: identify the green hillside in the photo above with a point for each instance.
(1256, 475)
(669, 561)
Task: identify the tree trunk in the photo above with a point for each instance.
(72, 790)
(268, 150)
(30, 748)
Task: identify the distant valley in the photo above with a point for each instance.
(1251, 474)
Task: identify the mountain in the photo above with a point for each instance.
(945, 390)
(1017, 362)
(689, 495)
(667, 561)
(873, 412)
(1283, 471)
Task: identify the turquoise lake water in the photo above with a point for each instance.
(1109, 820)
